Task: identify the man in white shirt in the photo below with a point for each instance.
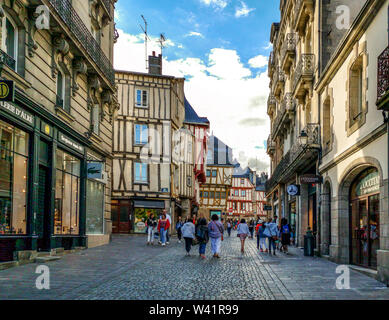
(170, 221)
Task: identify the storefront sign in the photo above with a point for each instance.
(369, 184)
(95, 170)
(17, 112)
(7, 90)
(70, 143)
(267, 208)
(293, 190)
(310, 178)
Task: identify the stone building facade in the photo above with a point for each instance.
(347, 86)
(55, 184)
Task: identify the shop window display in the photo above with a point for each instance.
(13, 179)
(66, 218)
(95, 208)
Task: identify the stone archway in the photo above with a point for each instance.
(326, 224)
(340, 247)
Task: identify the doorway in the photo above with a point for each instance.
(121, 216)
(365, 224)
(42, 223)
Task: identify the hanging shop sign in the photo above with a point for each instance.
(95, 170)
(293, 190)
(70, 143)
(369, 184)
(7, 90)
(17, 111)
(310, 178)
(267, 208)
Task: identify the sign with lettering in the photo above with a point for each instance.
(70, 143)
(7, 90)
(310, 178)
(267, 208)
(369, 184)
(17, 111)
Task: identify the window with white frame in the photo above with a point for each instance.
(9, 40)
(243, 193)
(141, 134)
(140, 173)
(141, 98)
(237, 193)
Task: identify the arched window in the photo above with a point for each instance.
(9, 43)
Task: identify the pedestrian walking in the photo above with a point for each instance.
(179, 225)
(170, 223)
(151, 224)
(229, 227)
(271, 232)
(261, 237)
(215, 231)
(251, 228)
(163, 226)
(202, 236)
(188, 232)
(243, 232)
(285, 234)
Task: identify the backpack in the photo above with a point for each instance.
(285, 228)
(200, 233)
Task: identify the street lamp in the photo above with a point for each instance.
(303, 138)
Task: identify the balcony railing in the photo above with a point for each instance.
(271, 103)
(289, 102)
(305, 69)
(271, 64)
(7, 60)
(287, 163)
(70, 17)
(107, 4)
(278, 120)
(270, 145)
(278, 79)
(383, 78)
(288, 47)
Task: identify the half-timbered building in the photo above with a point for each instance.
(260, 197)
(214, 192)
(146, 171)
(199, 127)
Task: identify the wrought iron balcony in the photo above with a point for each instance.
(288, 51)
(271, 65)
(304, 73)
(278, 120)
(290, 102)
(271, 104)
(77, 27)
(302, 10)
(383, 81)
(7, 60)
(296, 157)
(107, 5)
(278, 81)
(270, 145)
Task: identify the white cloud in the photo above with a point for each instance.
(258, 61)
(243, 11)
(268, 46)
(194, 34)
(219, 4)
(220, 88)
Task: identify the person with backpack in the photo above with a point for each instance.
(202, 236)
(229, 227)
(179, 225)
(243, 232)
(215, 231)
(261, 237)
(163, 226)
(151, 223)
(271, 231)
(285, 235)
(251, 229)
(188, 232)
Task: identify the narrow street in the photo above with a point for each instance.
(128, 269)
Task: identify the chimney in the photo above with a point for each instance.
(155, 64)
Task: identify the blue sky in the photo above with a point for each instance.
(224, 43)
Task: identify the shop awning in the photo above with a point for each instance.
(149, 204)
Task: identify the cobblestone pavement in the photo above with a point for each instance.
(128, 269)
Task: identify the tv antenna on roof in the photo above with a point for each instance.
(162, 40)
(146, 39)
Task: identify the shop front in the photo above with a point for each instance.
(365, 222)
(42, 182)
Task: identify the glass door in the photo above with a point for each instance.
(360, 229)
(374, 223)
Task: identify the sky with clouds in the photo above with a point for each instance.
(221, 47)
